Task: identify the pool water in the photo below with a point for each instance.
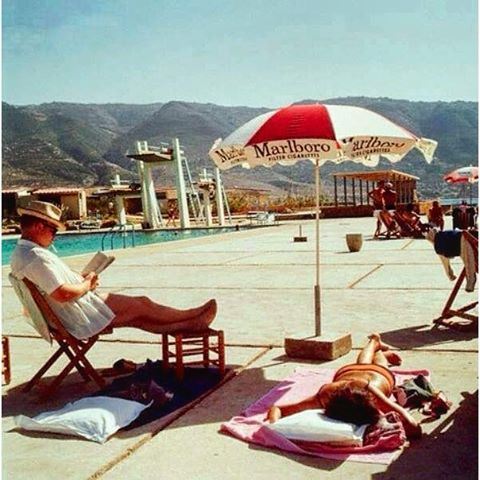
(75, 244)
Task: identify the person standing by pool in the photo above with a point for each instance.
(435, 215)
(73, 297)
(377, 199)
(171, 214)
(389, 197)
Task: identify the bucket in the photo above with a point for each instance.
(354, 241)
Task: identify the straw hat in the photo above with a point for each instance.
(44, 211)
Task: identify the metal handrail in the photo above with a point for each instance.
(117, 230)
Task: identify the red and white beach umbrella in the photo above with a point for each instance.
(462, 175)
(319, 133)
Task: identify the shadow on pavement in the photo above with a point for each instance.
(17, 402)
(421, 335)
(450, 451)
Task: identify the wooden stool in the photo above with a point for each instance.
(194, 343)
(6, 360)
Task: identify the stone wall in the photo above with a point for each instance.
(347, 211)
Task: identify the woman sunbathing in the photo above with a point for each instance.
(359, 392)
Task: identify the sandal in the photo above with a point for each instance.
(120, 367)
(125, 366)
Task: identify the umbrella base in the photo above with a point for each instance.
(324, 347)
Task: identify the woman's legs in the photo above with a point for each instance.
(378, 352)
(367, 355)
(141, 312)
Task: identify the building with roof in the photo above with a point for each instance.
(72, 200)
(351, 188)
(13, 198)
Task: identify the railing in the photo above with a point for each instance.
(261, 218)
(120, 230)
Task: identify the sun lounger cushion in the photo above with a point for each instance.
(93, 418)
(314, 426)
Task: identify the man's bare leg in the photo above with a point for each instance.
(141, 312)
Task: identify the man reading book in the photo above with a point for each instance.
(72, 296)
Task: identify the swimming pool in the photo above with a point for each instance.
(75, 244)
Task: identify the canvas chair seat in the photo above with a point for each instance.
(48, 325)
(407, 228)
(449, 311)
(391, 227)
(31, 312)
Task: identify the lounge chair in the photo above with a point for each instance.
(448, 311)
(407, 227)
(391, 227)
(6, 372)
(48, 325)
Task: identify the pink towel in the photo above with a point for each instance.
(304, 383)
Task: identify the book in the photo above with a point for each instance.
(98, 263)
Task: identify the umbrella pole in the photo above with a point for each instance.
(317, 246)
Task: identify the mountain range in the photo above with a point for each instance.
(72, 144)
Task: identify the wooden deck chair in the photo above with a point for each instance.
(407, 228)
(448, 311)
(48, 325)
(391, 227)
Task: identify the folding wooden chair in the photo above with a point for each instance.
(46, 322)
(407, 228)
(6, 372)
(448, 311)
(391, 227)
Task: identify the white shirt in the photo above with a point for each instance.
(84, 317)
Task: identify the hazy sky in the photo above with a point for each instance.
(238, 52)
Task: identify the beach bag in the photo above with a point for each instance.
(419, 393)
(414, 392)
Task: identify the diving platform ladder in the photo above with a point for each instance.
(193, 197)
(225, 203)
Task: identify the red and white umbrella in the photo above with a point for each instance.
(462, 175)
(320, 133)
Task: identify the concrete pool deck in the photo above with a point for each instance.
(263, 283)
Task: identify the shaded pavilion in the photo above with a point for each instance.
(351, 188)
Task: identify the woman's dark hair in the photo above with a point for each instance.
(353, 405)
